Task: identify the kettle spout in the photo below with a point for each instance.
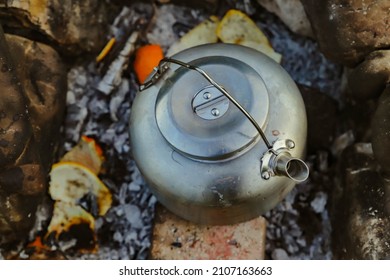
(293, 168)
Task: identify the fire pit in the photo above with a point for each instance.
(98, 105)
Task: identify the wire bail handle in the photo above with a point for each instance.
(163, 67)
(277, 161)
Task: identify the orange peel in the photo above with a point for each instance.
(203, 33)
(146, 59)
(65, 220)
(238, 28)
(71, 181)
(107, 48)
(88, 153)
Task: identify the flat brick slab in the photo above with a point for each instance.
(178, 239)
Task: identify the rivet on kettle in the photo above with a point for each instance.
(290, 144)
(266, 175)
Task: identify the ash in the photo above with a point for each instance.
(124, 232)
(298, 228)
(302, 58)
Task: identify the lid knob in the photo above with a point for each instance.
(209, 103)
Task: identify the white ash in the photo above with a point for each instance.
(133, 215)
(341, 142)
(298, 239)
(364, 148)
(43, 211)
(162, 32)
(134, 187)
(279, 254)
(117, 99)
(319, 202)
(245, 6)
(65, 245)
(118, 237)
(113, 77)
(322, 161)
(302, 58)
(172, 22)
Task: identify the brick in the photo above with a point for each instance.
(177, 239)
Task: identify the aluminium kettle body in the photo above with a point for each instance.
(218, 131)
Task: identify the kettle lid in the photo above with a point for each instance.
(197, 120)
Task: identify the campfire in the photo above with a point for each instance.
(85, 133)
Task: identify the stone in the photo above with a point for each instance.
(33, 82)
(348, 30)
(177, 239)
(381, 132)
(292, 13)
(44, 79)
(369, 78)
(360, 221)
(76, 26)
(322, 115)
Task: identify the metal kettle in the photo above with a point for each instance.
(218, 131)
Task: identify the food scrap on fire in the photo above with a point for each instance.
(79, 197)
(234, 28)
